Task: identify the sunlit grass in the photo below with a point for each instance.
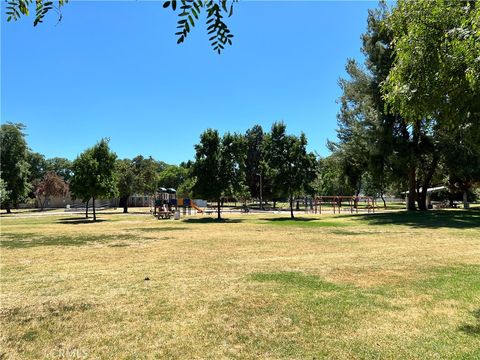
(252, 286)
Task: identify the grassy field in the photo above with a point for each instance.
(386, 286)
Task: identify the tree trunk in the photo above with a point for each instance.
(465, 200)
(422, 200)
(383, 199)
(124, 203)
(412, 168)
(426, 183)
(291, 207)
(412, 189)
(94, 214)
(274, 204)
(9, 210)
(218, 209)
(86, 209)
(40, 202)
(450, 201)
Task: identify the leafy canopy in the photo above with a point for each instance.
(436, 72)
(219, 165)
(14, 166)
(188, 11)
(94, 173)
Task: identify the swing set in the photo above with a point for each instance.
(344, 203)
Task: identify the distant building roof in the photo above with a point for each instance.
(430, 190)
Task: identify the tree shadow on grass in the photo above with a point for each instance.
(459, 219)
(472, 329)
(159, 229)
(303, 222)
(209, 220)
(27, 240)
(78, 221)
(289, 219)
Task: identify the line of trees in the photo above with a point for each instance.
(235, 165)
(410, 117)
(26, 174)
(94, 174)
(228, 166)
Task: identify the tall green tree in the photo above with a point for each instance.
(218, 166)
(38, 166)
(4, 192)
(460, 159)
(436, 72)
(292, 167)
(147, 172)
(137, 176)
(126, 181)
(434, 79)
(376, 142)
(185, 189)
(94, 174)
(14, 166)
(256, 168)
(331, 179)
(173, 176)
(60, 166)
(255, 157)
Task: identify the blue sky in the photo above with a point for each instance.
(113, 69)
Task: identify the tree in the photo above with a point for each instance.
(330, 179)
(256, 167)
(60, 166)
(146, 171)
(126, 181)
(293, 168)
(4, 192)
(354, 121)
(434, 79)
(185, 190)
(188, 12)
(50, 185)
(137, 176)
(94, 174)
(255, 156)
(376, 142)
(460, 159)
(173, 176)
(218, 166)
(436, 72)
(14, 166)
(38, 166)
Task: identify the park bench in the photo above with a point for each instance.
(164, 215)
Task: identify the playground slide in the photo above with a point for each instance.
(193, 205)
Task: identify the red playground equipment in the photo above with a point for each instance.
(345, 203)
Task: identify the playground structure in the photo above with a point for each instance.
(164, 204)
(338, 203)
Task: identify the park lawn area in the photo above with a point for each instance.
(389, 286)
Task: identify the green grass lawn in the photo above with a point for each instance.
(382, 286)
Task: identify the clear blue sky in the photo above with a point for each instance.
(113, 69)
